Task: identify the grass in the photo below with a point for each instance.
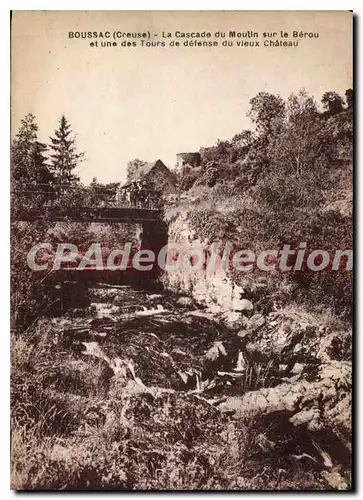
(136, 457)
(70, 432)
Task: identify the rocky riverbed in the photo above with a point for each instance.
(172, 381)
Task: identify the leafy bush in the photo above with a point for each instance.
(287, 182)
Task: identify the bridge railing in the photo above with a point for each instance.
(51, 196)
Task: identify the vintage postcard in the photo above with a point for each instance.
(181, 250)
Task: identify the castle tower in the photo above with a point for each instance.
(187, 159)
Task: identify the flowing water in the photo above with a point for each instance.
(157, 339)
(154, 340)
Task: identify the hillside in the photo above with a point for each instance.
(218, 380)
(288, 182)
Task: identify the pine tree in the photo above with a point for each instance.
(22, 150)
(31, 179)
(64, 157)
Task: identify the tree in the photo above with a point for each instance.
(99, 194)
(22, 151)
(134, 168)
(265, 110)
(300, 108)
(302, 147)
(31, 179)
(349, 98)
(64, 157)
(243, 139)
(332, 102)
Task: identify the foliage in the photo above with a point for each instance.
(332, 102)
(98, 194)
(289, 182)
(64, 157)
(265, 110)
(133, 169)
(28, 169)
(78, 425)
(349, 98)
(37, 188)
(88, 437)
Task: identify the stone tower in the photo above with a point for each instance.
(187, 159)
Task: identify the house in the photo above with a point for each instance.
(153, 173)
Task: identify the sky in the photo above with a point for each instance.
(149, 103)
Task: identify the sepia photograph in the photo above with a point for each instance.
(181, 187)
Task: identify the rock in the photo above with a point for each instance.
(305, 417)
(297, 368)
(323, 403)
(155, 296)
(287, 337)
(336, 345)
(201, 314)
(104, 310)
(242, 305)
(298, 348)
(251, 325)
(216, 351)
(185, 302)
(243, 333)
(335, 480)
(254, 323)
(232, 320)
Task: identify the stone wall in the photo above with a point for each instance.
(191, 159)
(216, 289)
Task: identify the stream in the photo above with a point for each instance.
(153, 340)
(159, 339)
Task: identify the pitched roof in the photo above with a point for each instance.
(144, 170)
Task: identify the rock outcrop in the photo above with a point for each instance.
(293, 364)
(213, 288)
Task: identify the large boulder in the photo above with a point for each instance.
(242, 305)
(324, 402)
(185, 302)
